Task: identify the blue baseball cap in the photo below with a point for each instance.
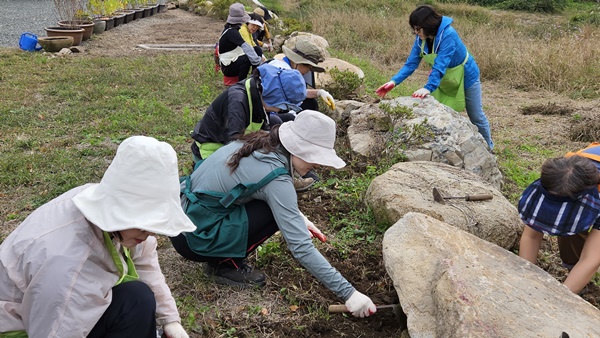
(282, 88)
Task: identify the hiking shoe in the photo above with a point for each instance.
(311, 174)
(303, 184)
(244, 276)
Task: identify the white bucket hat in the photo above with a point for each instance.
(139, 190)
(311, 137)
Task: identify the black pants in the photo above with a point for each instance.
(131, 313)
(239, 68)
(261, 226)
(310, 104)
(570, 248)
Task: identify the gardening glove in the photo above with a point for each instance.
(381, 91)
(174, 330)
(313, 230)
(421, 93)
(360, 305)
(322, 93)
(268, 46)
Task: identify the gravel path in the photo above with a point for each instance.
(20, 16)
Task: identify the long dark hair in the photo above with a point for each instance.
(263, 141)
(569, 176)
(427, 18)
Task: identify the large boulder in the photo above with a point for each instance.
(456, 140)
(452, 284)
(407, 187)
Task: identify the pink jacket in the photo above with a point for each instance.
(56, 275)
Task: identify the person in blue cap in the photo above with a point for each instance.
(246, 107)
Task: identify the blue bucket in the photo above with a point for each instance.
(29, 42)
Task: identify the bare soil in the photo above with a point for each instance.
(271, 311)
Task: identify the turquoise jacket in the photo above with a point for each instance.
(450, 51)
(279, 194)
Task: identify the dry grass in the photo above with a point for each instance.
(523, 51)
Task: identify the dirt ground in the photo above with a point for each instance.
(274, 317)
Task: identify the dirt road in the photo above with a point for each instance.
(174, 26)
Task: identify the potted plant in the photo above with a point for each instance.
(66, 11)
(105, 10)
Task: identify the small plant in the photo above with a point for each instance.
(401, 136)
(67, 11)
(345, 84)
(396, 113)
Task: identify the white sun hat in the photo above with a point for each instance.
(311, 137)
(139, 190)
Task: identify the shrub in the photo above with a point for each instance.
(591, 18)
(345, 85)
(545, 6)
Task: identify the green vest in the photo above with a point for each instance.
(221, 223)
(208, 148)
(451, 90)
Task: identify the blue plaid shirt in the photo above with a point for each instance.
(559, 215)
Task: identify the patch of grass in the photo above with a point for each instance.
(63, 121)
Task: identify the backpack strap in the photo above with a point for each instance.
(592, 152)
(243, 190)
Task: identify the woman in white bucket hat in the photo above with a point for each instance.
(243, 194)
(85, 264)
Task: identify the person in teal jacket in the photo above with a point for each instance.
(243, 194)
(454, 78)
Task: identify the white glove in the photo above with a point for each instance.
(421, 93)
(360, 305)
(313, 230)
(174, 330)
(267, 46)
(322, 93)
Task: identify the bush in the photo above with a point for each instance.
(345, 84)
(591, 18)
(545, 6)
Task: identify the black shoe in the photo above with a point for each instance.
(244, 276)
(311, 174)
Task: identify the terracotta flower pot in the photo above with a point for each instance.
(88, 27)
(75, 33)
(54, 44)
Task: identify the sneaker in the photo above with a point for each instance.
(244, 276)
(311, 174)
(303, 184)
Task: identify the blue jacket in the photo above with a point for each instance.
(451, 52)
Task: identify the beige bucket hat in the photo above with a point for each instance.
(311, 137)
(305, 52)
(139, 190)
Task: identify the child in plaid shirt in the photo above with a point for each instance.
(564, 202)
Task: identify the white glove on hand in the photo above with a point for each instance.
(421, 93)
(313, 230)
(174, 330)
(360, 305)
(322, 93)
